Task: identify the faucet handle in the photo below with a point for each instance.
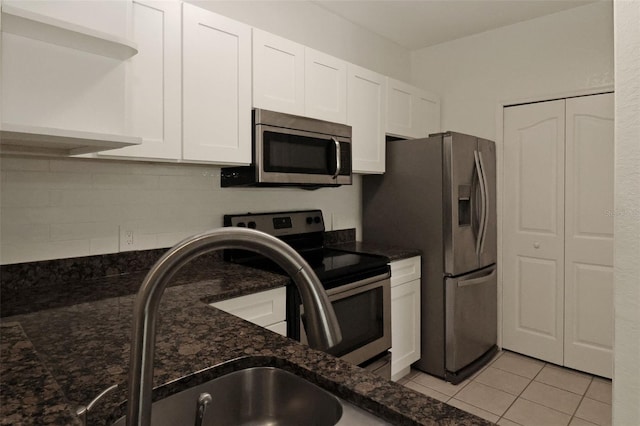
(203, 402)
(83, 410)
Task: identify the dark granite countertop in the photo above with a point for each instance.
(392, 253)
(65, 352)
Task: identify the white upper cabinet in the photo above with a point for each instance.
(366, 107)
(325, 87)
(63, 73)
(216, 88)
(278, 73)
(154, 82)
(72, 25)
(291, 78)
(411, 112)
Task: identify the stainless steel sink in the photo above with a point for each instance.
(257, 396)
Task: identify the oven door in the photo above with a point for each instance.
(363, 310)
(289, 156)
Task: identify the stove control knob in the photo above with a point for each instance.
(242, 225)
(309, 220)
(252, 225)
(316, 219)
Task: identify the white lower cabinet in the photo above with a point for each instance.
(267, 309)
(405, 315)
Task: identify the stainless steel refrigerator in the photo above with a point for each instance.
(438, 194)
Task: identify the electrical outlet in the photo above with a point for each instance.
(135, 237)
(128, 238)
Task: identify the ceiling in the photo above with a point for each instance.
(415, 24)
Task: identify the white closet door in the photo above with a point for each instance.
(533, 238)
(589, 235)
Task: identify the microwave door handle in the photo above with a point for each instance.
(482, 200)
(338, 165)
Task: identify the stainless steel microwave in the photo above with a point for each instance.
(290, 150)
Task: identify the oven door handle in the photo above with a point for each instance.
(338, 163)
(356, 287)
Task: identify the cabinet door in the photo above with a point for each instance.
(265, 308)
(216, 84)
(325, 87)
(405, 270)
(278, 73)
(366, 106)
(589, 234)
(426, 113)
(399, 108)
(153, 87)
(279, 327)
(533, 230)
(405, 327)
(411, 112)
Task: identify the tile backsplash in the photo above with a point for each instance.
(70, 207)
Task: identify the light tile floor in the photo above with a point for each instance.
(514, 389)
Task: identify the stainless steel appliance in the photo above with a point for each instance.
(289, 150)
(363, 309)
(439, 195)
(357, 284)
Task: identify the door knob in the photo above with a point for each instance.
(536, 245)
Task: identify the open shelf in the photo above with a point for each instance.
(23, 139)
(29, 24)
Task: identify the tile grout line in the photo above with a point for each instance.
(580, 403)
(520, 394)
(582, 396)
(476, 375)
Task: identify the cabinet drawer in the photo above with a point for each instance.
(280, 328)
(405, 270)
(264, 308)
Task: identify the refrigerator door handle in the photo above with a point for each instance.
(478, 280)
(485, 204)
(482, 197)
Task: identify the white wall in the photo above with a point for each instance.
(626, 374)
(313, 26)
(56, 208)
(564, 52)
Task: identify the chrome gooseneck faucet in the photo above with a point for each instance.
(322, 327)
